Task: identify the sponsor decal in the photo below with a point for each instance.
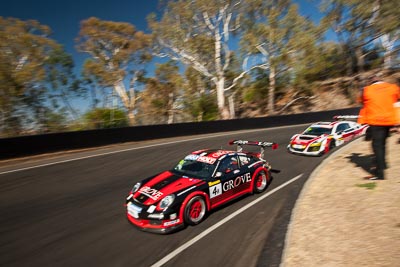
(216, 188)
(150, 192)
(205, 159)
(151, 209)
(219, 153)
(171, 223)
(191, 157)
(228, 185)
(133, 210)
(214, 183)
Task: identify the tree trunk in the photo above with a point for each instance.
(223, 110)
(119, 88)
(360, 60)
(131, 117)
(232, 114)
(388, 46)
(271, 90)
(170, 108)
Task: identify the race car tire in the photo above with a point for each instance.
(195, 210)
(260, 182)
(332, 144)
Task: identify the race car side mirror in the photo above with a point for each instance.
(218, 174)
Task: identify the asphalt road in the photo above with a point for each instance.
(68, 209)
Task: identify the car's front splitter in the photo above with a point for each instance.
(306, 153)
(161, 228)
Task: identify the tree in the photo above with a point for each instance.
(54, 121)
(160, 98)
(101, 118)
(62, 80)
(199, 99)
(118, 52)
(199, 34)
(277, 32)
(359, 24)
(24, 50)
(386, 23)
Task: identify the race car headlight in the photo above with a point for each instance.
(315, 144)
(166, 201)
(136, 187)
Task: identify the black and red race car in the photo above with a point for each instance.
(200, 182)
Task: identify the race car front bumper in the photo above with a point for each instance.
(156, 226)
(153, 222)
(306, 150)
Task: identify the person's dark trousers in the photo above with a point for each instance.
(378, 136)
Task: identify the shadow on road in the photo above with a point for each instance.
(362, 161)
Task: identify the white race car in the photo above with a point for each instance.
(319, 138)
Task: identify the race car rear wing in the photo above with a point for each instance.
(346, 117)
(262, 145)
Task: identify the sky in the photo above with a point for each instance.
(64, 17)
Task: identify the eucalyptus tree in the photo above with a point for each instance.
(118, 54)
(361, 24)
(62, 80)
(282, 37)
(199, 99)
(202, 34)
(386, 24)
(162, 93)
(25, 48)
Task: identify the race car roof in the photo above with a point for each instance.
(213, 153)
(324, 124)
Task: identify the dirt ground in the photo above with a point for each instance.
(341, 219)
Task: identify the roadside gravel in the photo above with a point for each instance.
(341, 219)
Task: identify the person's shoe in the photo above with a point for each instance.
(375, 178)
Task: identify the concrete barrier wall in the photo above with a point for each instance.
(46, 143)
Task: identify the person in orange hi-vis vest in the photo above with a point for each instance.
(380, 113)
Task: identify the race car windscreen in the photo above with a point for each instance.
(317, 131)
(194, 168)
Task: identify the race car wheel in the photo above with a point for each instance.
(332, 144)
(260, 182)
(195, 210)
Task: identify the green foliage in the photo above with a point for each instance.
(257, 90)
(197, 33)
(205, 108)
(101, 118)
(118, 53)
(276, 31)
(358, 25)
(54, 121)
(199, 99)
(25, 54)
(369, 186)
(62, 81)
(161, 95)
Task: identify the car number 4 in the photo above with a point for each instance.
(215, 190)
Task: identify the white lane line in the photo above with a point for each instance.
(136, 148)
(220, 223)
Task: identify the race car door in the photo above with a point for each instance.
(344, 133)
(231, 181)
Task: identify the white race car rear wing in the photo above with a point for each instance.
(346, 117)
(262, 145)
